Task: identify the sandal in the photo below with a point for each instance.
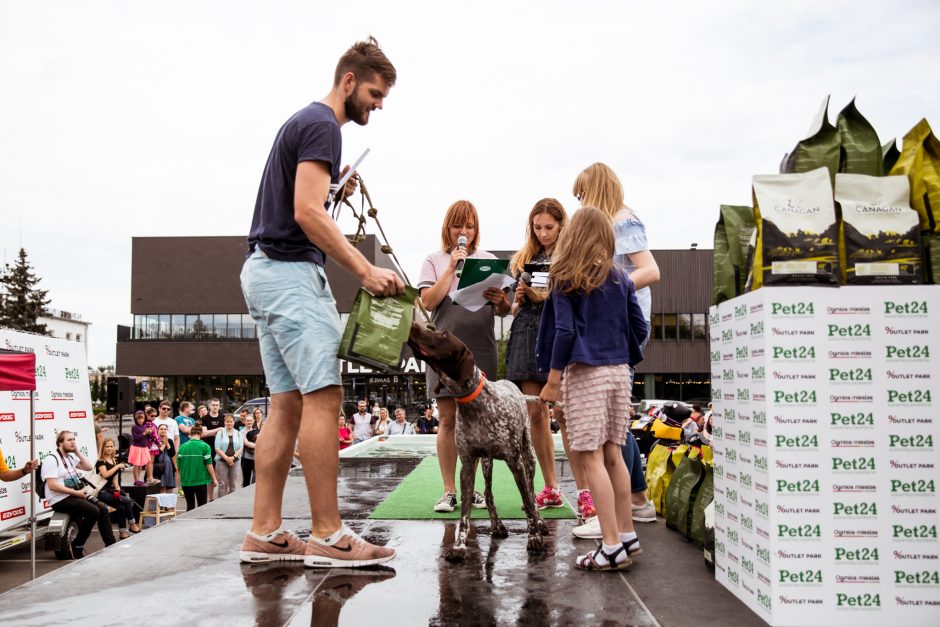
(589, 561)
(632, 547)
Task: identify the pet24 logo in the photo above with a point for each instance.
(849, 330)
(912, 308)
(852, 375)
(910, 442)
(917, 351)
(912, 397)
(792, 309)
(859, 419)
(800, 576)
(858, 600)
(808, 532)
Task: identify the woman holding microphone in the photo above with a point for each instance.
(460, 238)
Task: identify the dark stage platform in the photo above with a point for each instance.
(186, 571)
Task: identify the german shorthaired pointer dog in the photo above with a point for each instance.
(492, 423)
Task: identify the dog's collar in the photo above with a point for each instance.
(463, 400)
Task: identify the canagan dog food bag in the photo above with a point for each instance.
(880, 241)
(920, 163)
(861, 149)
(820, 148)
(797, 230)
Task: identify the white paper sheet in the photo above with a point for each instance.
(472, 297)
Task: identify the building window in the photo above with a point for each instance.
(193, 327)
(151, 326)
(699, 328)
(685, 326)
(78, 337)
(249, 330)
(656, 332)
(669, 326)
(68, 336)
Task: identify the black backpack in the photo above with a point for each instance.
(41, 483)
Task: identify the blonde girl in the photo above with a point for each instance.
(591, 332)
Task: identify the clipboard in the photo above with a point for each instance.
(349, 173)
(476, 270)
(538, 272)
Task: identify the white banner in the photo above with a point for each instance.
(826, 471)
(63, 402)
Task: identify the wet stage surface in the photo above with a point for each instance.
(186, 571)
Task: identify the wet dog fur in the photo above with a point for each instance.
(494, 425)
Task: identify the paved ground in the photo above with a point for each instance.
(192, 561)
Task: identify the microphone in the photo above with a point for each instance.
(526, 278)
(461, 243)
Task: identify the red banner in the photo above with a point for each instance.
(17, 372)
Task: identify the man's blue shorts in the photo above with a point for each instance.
(298, 326)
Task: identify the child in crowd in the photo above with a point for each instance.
(153, 443)
(139, 456)
(591, 331)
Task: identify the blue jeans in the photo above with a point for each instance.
(632, 458)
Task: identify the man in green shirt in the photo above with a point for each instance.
(194, 460)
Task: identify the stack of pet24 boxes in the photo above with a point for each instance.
(826, 453)
(826, 503)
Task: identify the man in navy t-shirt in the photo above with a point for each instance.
(289, 298)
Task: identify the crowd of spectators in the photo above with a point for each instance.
(365, 424)
(199, 450)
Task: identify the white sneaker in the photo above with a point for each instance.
(645, 513)
(447, 503)
(591, 529)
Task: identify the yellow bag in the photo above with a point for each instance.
(920, 163)
(680, 451)
(708, 456)
(657, 467)
(664, 432)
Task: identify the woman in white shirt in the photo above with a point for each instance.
(382, 423)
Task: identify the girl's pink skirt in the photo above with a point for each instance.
(139, 456)
(597, 402)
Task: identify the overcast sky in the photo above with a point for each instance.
(121, 119)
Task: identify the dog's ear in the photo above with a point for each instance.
(465, 365)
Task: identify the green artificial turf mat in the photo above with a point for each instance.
(415, 496)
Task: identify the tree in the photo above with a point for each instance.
(95, 390)
(21, 302)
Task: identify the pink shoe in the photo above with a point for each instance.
(283, 547)
(586, 505)
(549, 497)
(349, 551)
